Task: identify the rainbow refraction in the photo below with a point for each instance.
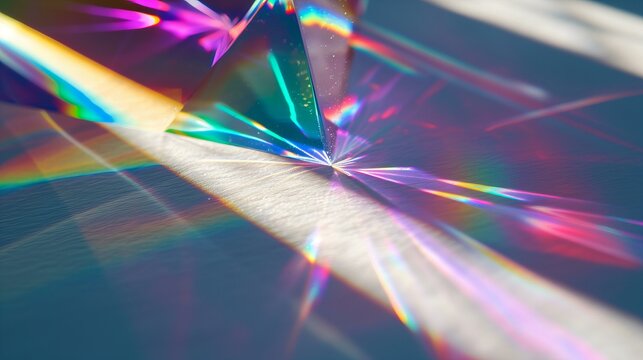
(321, 179)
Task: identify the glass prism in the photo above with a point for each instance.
(260, 94)
(327, 27)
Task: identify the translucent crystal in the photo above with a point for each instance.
(260, 94)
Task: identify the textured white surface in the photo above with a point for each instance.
(292, 203)
(588, 28)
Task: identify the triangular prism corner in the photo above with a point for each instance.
(260, 93)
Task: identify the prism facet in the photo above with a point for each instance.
(260, 94)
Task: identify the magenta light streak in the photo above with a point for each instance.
(152, 4)
(215, 32)
(132, 20)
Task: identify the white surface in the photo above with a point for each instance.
(291, 203)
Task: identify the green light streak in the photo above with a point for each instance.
(284, 89)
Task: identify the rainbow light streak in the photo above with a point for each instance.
(517, 320)
(492, 190)
(607, 241)
(344, 112)
(312, 247)
(349, 115)
(519, 195)
(63, 160)
(383, 52)
(88, 89)
(315, 16)
(72, 101)
(562, 108)
(279, 76)
(459, 198)
(317, 279)
(317, 282)
(410, 176)
(397, 303)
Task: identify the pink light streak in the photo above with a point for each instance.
(215, 32)
(129, 20)
(562, 108)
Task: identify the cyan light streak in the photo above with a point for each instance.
(246, 120)
(73, 102)
(188, 124)
(88, 89)
(274, 64)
